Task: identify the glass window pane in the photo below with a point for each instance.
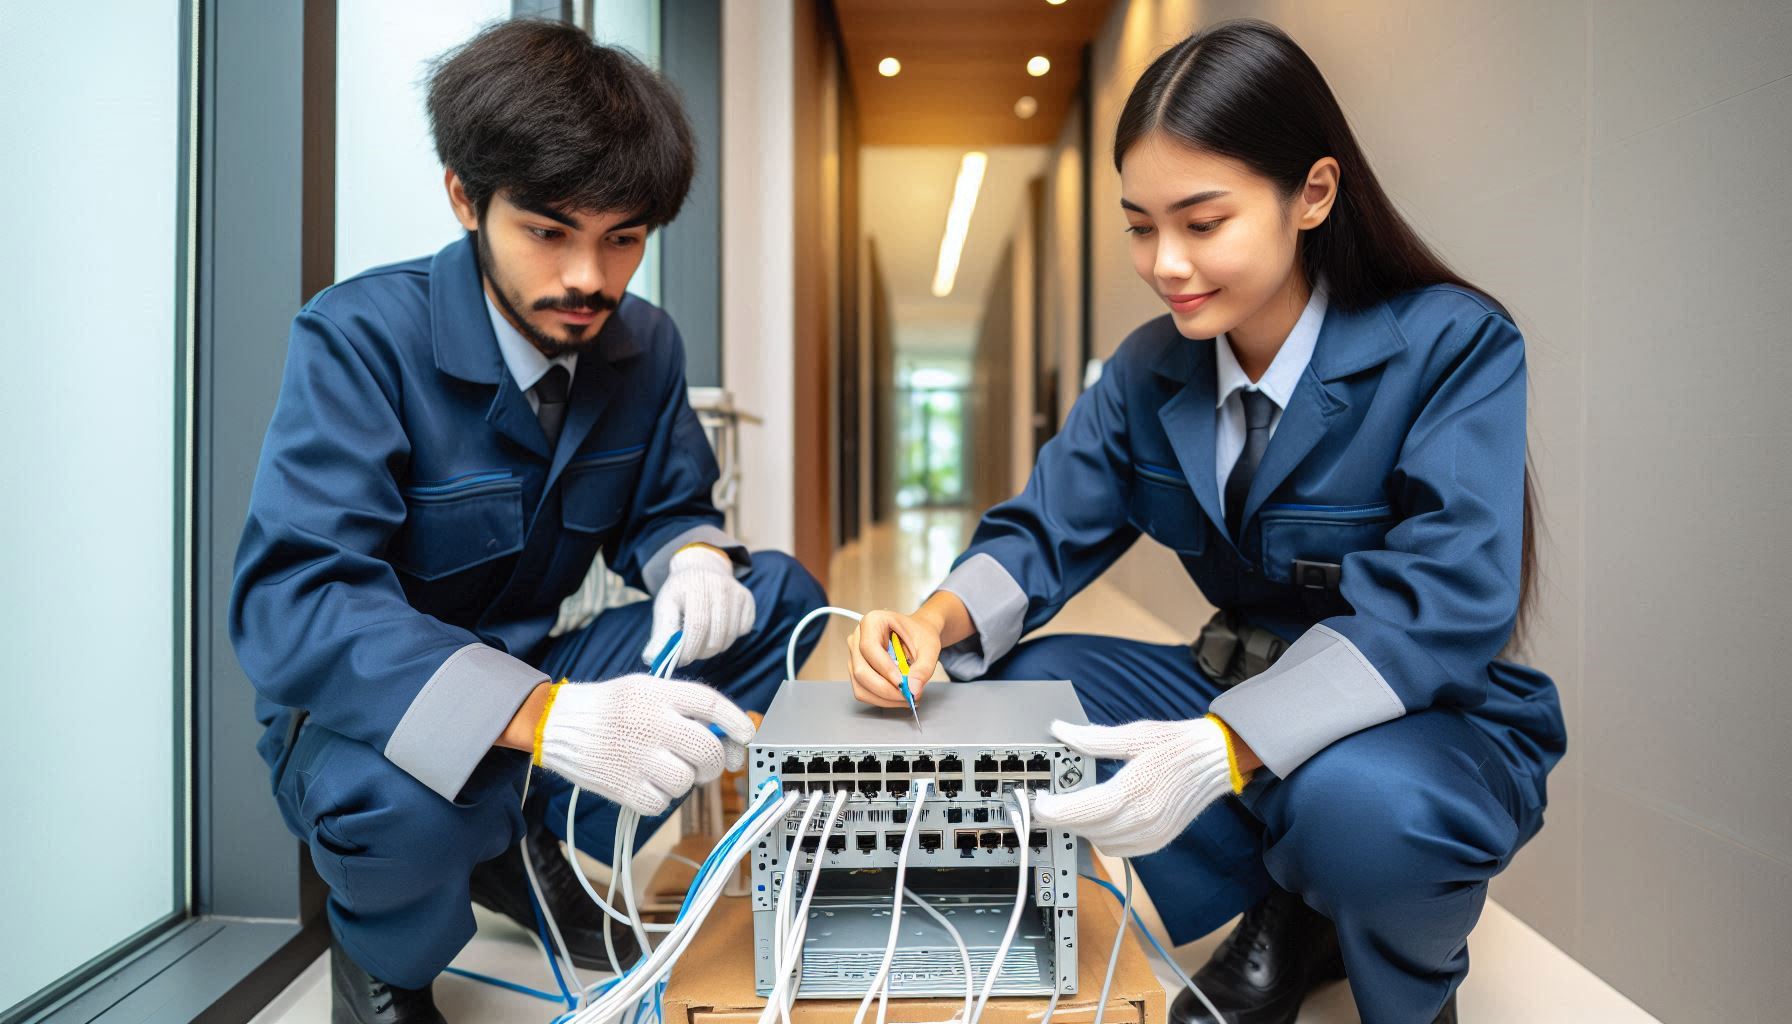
(88, 574)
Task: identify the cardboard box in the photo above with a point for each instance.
(713, 981)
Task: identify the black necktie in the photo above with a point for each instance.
(1258, 409)
(550, 399)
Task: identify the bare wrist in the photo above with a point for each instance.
(519, 734)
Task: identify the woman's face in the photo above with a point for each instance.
(1215, 240)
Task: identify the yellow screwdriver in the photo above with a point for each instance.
(900, 657)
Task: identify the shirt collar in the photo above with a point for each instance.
(525, 361)
(1284, 371)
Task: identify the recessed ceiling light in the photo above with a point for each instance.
(889, 67)
(1026, 107)
(1037, 66)
(1054, 3)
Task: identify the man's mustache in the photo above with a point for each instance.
(578, 302)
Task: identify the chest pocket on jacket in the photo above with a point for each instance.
(596, 488)
(1319, 533)
(1165, 509)
(453, 525)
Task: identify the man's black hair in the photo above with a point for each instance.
(538, 110)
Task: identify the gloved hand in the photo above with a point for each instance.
(701, 597)
(1173, 771)
(640, 741)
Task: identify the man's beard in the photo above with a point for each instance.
(576, 339)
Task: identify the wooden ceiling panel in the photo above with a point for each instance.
(964, 67)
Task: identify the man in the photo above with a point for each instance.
(456, 439)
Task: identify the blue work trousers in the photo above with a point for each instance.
(1392, 832)
(398, 858)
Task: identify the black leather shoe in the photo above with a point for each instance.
(357, 997)
(1280, 951)
(1447, 1015)
(501, 885)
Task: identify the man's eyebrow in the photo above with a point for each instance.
(544, 210)
(632, 222)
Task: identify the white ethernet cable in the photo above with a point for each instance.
(547, 914)
(1022, 818)
(782, 912)
(797, 631)
(785, 956)
(1107, 981)
(881, 980)
(970, 991)
(652, 968)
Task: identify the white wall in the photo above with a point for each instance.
(88, 576)
(1613, 173)
(758, 260)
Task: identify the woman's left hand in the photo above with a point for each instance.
(1173, 771)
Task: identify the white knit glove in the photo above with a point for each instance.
(1173, 771)
(701, 597)
(640, 741)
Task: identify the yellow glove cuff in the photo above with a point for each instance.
(1238, 779)
(541, 723)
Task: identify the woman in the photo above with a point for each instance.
(1328, 429)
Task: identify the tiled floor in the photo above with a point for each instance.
(1518, 976)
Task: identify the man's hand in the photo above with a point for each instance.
(875, 678)
(640, 741)
(701, 597)
(1173, 771)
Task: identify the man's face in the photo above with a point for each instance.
(556, 274)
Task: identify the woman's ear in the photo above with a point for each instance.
(457, 198)
(1314, 203)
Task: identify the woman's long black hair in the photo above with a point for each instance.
(1246, 91)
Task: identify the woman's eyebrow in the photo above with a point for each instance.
(1183, 203)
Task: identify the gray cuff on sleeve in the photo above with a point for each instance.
(654, 575)
(1321, 690)
(998, 608)
(453, 721)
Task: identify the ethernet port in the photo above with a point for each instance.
(990, 840)
(897, 787)
(965, 840)
(980, 814)
(1036, 839)
(836, 843)
(869, 787)
(818, 766)
(930, 841)
(793, 766)
(869, 766)
(843, 785)
(893, 842)
(1012, 765)
(951, 787)
(949, 766)
(1039, 763)
(794, 785)
(924, 765)
(867, 842)
(1010, 840)
(811, 844)
(899, 816)
(789, 842)
(896, 765)
(954, 814)
(986, 787)
(842, 765)
(985, 765)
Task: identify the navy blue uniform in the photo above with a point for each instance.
(410, 538)
(1405, 762)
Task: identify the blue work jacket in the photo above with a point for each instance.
(411, 533)
(1399, 461)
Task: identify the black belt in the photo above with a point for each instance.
(1230, 650)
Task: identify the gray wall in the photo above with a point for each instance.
(1615, 173)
